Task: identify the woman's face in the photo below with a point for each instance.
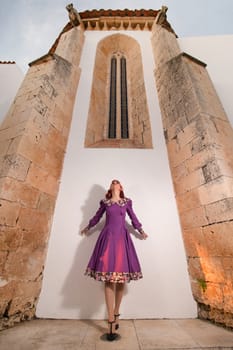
(115, 185)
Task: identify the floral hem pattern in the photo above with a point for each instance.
(115, 277)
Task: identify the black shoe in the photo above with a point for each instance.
(117, 324)
(111, 336)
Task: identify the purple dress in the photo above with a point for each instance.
(114, 258)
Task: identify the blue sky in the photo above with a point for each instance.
(28, 28)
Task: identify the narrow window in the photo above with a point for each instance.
(124, 101)
(112, 104)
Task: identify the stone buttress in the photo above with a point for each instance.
(199, 141)
(33, 140)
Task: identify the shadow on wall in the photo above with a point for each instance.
(80, 292)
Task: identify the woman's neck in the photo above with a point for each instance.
(116, 196)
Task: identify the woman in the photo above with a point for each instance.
(114, 259)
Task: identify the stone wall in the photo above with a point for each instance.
(33, 140)
(200, 149)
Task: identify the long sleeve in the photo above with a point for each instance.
(98, 215)
(135, 222)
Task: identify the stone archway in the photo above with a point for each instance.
(139, 121)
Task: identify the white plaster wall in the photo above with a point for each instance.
(164, 292)
(11, 78)
(217, 53)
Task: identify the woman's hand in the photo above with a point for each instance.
(144, 235)
(84, 231)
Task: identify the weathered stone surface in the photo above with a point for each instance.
(33, 140)
(195, 217)
(10, 238)
(200, 149)
(220, 211)
(16, 191)
(42, 180)
(9, 213)
(15, 166)
(216, 190)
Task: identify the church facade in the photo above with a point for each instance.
(116, 97)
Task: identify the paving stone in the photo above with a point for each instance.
(157, 334)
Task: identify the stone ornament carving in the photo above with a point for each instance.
(161, 19)
(74, 16)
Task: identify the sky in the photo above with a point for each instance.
(28, 28)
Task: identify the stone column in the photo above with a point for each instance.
(199, 141)
(33, 140)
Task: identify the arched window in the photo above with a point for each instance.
(118, 115)
(118, 112)
(112, 100)
(124, 101)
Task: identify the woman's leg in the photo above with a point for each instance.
(110, 299)
(118, 298)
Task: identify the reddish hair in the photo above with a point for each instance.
(109, 193)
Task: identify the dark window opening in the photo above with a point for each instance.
(124, 101)
(112, 104)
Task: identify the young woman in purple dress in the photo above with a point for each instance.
(114, 259)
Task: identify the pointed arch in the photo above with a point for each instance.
(118, 111)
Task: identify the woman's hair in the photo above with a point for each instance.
(109, 193)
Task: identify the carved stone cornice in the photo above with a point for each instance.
(118, 19)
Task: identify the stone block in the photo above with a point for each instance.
(24, 264)
(193, 241)
(29, 148)
(9, 213)
(204, 89)
(228, 296)
(55, 139)
(46, 203)
(3, 256)
(35, 238)
(16, 191)
(42, 180)
(195, 269)
(213, 295)
(12, 132)
(177, 127)
(187, 134)
(19, 305)
(225, 165)
(32, 219)
(197, 290)
(28, 289)
(57, 118)
(179, 172)
(211, 170)
(227, 263)
(220, 211)
(15, 166)
(193, 218)
(10, 238)
(4, 147)
(7, 291)
(189, 182)
(188, 200)
(216, 190)
(17, 117)
(200, 159)
(3, 307)
(219, 240)
(213, 269)
(177, 155)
